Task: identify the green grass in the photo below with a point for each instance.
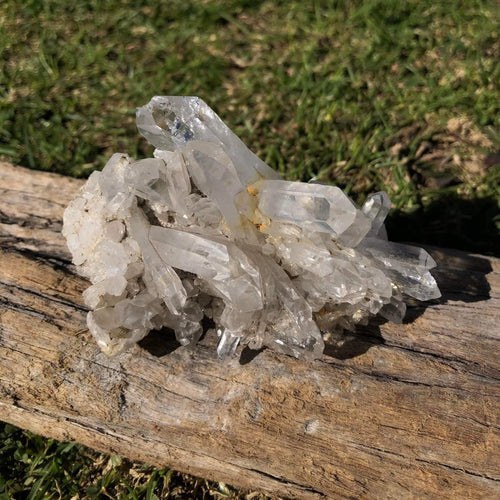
(380, 94)
(35, 468)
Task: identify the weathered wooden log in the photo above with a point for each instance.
(393, 411)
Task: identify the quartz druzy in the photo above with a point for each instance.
(207, 229)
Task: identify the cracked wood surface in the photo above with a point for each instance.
(392, 411)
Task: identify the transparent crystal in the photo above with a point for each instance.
(312, 207)
(227, 344)
(376, 207)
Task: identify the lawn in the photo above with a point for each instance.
(368, 95)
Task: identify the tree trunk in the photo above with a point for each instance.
(391, 411)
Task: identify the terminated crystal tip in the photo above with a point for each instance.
(207, 229)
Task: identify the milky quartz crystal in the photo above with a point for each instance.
(206, 229)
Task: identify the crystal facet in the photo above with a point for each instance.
(207, 229)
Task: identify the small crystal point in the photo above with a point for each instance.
(227, 345)
(207, 229)
(376, 208)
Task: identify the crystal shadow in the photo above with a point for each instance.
(353, 344)
(160, 343)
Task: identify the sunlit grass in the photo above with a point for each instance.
(35, 468)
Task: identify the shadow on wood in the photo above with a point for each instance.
(160, 343)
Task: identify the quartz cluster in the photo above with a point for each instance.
(206, 229)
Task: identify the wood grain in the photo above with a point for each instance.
(392, 411)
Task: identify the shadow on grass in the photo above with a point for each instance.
(451, 222)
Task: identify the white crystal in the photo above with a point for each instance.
(207, 229)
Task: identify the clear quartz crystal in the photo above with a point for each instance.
(313, 207)
(207, 229)
(227, 344)
(376, 207)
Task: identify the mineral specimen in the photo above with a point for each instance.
(207, 229)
